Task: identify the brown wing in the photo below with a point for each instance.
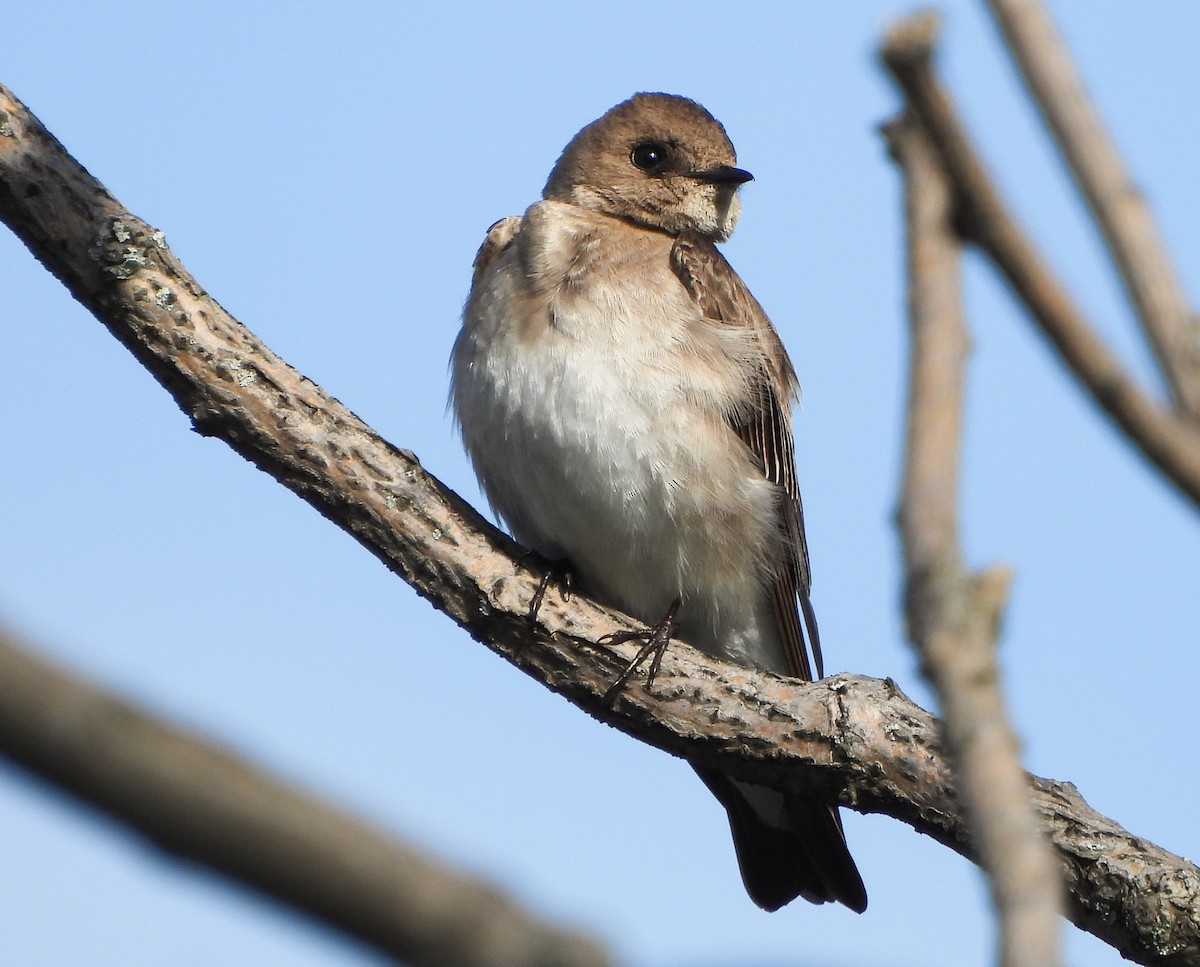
(766, 430)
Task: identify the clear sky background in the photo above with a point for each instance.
(327, 172)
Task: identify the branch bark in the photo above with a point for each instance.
(953, 616)
(1168, 442)
(856, 740)
(1118, 207)
(205, 804)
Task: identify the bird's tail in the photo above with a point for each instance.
(787, 846)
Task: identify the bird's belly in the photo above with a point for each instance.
(606, 461)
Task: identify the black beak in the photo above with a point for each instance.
(723, 175)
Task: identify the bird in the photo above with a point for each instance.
(626, 406)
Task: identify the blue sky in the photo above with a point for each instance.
(328, 174)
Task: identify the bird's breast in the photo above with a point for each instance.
(593, 398)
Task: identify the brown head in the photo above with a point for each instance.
(659, 160)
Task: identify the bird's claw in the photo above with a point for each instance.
(655, 641)
(556, 571)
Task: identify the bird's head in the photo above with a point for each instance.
(658, 160)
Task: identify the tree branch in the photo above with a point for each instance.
(1118, 207)
(856, 740)
(1168, 442)
(953, 616)
(205, 804)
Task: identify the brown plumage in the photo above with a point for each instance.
(626, 404)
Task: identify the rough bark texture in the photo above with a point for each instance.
(857, 740)
(953, 616)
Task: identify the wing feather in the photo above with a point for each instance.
(766, 431)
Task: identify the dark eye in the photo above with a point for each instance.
(650, 156)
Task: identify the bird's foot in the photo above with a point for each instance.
(655, 641)
(557, 572)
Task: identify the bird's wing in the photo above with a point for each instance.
(766, 429)
(499, 237)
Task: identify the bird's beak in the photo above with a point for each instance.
(723, 175)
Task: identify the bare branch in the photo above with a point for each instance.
(1119, 208)
(206, 804)
(1170, 443)
(856, 740)
(953, 616)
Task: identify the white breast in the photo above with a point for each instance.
(592, 395)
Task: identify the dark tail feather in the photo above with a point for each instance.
(798, 850)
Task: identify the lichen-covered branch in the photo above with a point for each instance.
(856, 740)
(952, 615)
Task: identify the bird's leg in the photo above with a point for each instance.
(656, 640)
(556, 571)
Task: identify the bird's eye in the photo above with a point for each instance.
(650, 156)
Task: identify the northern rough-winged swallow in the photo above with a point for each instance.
(626, 405)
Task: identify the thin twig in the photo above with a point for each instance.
(1170, 443)
(953, 616)
(1119, 208)
(854, 740)
(206, 804)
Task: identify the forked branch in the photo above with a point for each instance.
(855, 740)
(1120, 210)
(1170, 443)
